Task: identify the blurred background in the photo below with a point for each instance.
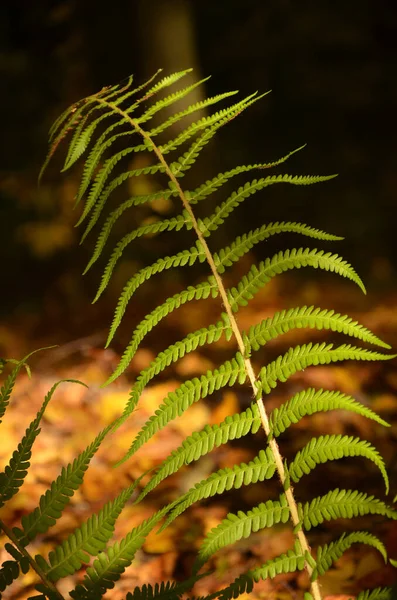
(331, 66)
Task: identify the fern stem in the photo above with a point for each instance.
(315, 590)
(49, 584)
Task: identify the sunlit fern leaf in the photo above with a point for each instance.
(301, 357)
(290, 562)
(310, 401)
(333, 447)
(225, 209)
(111, 564)
(89, 539)
(8, 385)
(243, 244)
(15, 472)
(202, 442)
(174, 352)
(241, 525)
(328, 554)
(201, 291)
(52, 503)
(283, 261)
(260, 468)
(385, 593)
(192, 390)
(339, 504)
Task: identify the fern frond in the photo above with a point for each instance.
(89, 539)
(243, 244)
(301, 357)
(202, 442)
(15, 472)
(313, 318)
(290, 562)
(110, 565)
(329, 553)
(241, 525)
(248, 189)
(338, 504)
(164, 590)
(189, 392)
(260, 468)
(174, 352)
(333, 447)
(259, 275)
(310, 401)
(55, 499)
(385, 593)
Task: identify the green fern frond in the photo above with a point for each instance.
(164, 590)
(259, 275)
(328, 554)
(312, 317)
(15, 472)
(301, 357)
(52, 503)
(243, 244)
(333, 447)
(241, 525)
(227, 207)
(174, 352)
(189, 392)
(310, 401)
(109, 565)
(260, 468)
(290, 562)
(89, 539)
(202, 442)
(385, 593)
(338, 504)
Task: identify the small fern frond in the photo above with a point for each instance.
(385, 593)
(111, 564)
(259, 275)
(313, 318)
(333, 447)
(160, 591)
(202, 442)
(227, 207)
(301, 357)
(55, 499)
(189, 392)
(243, 244)
(338, 504)
(329, 553)
(15, 472)
(241, 525)
(89, 539)
(310, 401)
(290, 562)
(174, 352)
(260, 468)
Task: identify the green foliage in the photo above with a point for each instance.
(96, 126)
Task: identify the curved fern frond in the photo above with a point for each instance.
(333, 447)
(260, 468)
(243, 244)
(310, 401)
(15, 472)
(89, 539)
(241, 525)
(290, 562)
(202, 442)
(301, 357)
(259, 275)
(338, 504)
(189, 392)
(385, 593)
(111, 564)
(329, 553)
(55, 499)
(227, 207)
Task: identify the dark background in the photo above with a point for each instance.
(331, 66)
